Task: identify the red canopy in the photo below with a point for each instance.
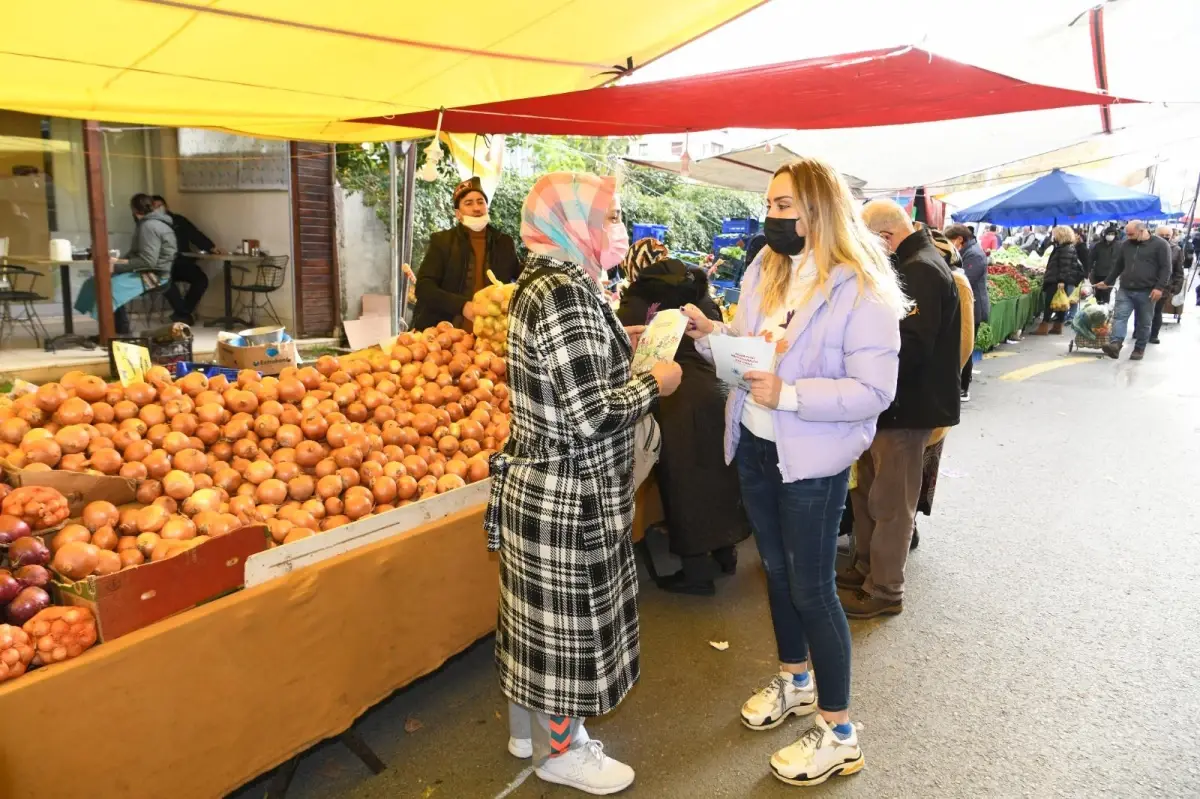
(877, 87)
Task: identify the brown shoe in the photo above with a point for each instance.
(850, 579)
(1056, 329)
(864, 606)
(1137, 355)
(1042, 329)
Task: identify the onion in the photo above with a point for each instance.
(100, 514)
(178, 485)
(12, 528)
(76, 560)
(109, 562)
(33, 575)
(10, 586)
(28, 550)
(27, 604)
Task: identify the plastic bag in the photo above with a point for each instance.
(1074, 296)
(1060, 301)
(491, 313)
(1091, 320)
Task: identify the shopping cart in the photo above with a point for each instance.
(1088, 335)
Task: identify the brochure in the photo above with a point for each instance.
(659, 340)
(735, 355)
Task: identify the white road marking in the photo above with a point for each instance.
(516, 783)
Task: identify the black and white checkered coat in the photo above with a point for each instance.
(561, 507)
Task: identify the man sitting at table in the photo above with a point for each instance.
(190, 239)
(457, 261)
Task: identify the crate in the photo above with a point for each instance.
(643, 230)
(181, 368)
(747, 226)
(161, 353)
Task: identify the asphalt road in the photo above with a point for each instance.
(1048, 646)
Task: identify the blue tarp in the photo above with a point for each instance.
(1061, 198)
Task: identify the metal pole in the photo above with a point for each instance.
(397, 282)
(1187, 237)
(410, 194)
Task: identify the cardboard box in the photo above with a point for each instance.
(269, 359)
(134, 598)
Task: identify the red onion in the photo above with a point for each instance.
(25, 551)
(33, 575)
(9, 586)
(26, 605)
(12, 528)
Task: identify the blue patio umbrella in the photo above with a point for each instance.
(1061, 198)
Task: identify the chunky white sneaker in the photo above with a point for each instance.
(587, 769)
(771, 706)
(523, 747)
(817, 756)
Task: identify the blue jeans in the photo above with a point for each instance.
(1133, 302)
(796, 527)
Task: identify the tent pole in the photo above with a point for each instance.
(93, 154)
(394, 243)
(406, 227)
(1187, 237)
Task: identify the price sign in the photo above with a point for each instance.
(132, 362)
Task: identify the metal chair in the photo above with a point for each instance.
(12, 294)
(268, 278)
(153, 301)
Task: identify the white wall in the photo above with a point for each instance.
(363, 254)
(227, 217)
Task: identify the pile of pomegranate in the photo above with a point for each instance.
(305, 452)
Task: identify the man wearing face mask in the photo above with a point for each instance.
(1104, 261)
(457, 261)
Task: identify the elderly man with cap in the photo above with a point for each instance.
(457, 261)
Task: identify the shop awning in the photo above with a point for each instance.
(296, 68)
(865, 89)
(1061, 198)
(748, 169)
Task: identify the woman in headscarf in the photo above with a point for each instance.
(561, 506)
(700, 492)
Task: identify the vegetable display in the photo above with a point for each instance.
(1014, 273)
(985, 339)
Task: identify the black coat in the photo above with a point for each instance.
(975, 266)
(700, 492)
(1104, 259)
(927, 382)
(446, 281)
(1063, 267)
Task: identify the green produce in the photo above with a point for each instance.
(985, 340)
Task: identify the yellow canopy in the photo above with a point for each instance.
(297, 69)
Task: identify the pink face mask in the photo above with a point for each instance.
(617, 244)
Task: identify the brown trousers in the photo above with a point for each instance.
(885, 505)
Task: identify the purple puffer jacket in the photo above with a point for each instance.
(842, 357)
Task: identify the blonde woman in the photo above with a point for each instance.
(823, 290)
(1063, 271)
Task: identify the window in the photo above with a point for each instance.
(644, 148)
(716, 149)
(676, 148)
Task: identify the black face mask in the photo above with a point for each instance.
(782, 236)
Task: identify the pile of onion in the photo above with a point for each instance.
(59, 634)
(16, 652)
(307, 451)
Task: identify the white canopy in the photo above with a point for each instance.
(748, 169)
(1148, 48)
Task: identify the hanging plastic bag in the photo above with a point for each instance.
(1085, 289)
(1060, 301)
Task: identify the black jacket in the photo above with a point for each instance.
(927, 385)
(1104, 260)
(1143, 265)
(1176, 284)
(1063, 267)
(189, 237)
(975, 265)
(445, 282)
(700, 492)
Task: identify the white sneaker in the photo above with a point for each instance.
(523, 747)
(587, 769)
(771, 706)
(817, 756)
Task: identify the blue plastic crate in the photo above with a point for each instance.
(181, 368)
(642, 230)
(745, 226)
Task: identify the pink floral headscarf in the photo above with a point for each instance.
(564, 218)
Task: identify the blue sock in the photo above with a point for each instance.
(801, 679)
(843, 731)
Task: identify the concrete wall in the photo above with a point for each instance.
(227, 217)
(363, 253)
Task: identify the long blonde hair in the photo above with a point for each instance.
(836, 236)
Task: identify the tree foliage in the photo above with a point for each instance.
(691, 212)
